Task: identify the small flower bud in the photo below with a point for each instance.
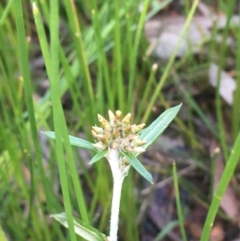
(99, 146)
(107, 133)
(127, 118)
(111, 116)
(138, 128)
(132, 137)
(128, 148)
(139, 149)
(102, 138)
(125, 160)
(94, 134)
(128, 129)
(123, 164)
(140, 142)
(118, 114)
(102, 121)
(115, 133)
(98, 130)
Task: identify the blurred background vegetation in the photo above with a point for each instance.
(62, 62)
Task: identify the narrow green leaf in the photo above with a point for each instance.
(137, 165)
(167, 229)
(98, 156)
(156, 8)
(6, 168)
(85, 231)
(228, 173)
(178, 203)
(151, 133)
(5, 12)
(74, 141)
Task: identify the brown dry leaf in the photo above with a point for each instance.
(229, 201)
(227, 83)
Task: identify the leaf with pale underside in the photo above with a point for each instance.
(137, 165)
(98, 156)
(85, 231)
(151, 133)
(74, 141)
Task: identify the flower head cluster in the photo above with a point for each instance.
(118, 133)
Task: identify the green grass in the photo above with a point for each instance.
(96, 58)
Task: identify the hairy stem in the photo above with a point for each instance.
(119, 172)
(117, 187)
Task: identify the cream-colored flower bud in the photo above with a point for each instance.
(111, 116)
(139, 149)
(118, 114)
(128, 129)
(132, 137)
(102, 121)
(138, 127)
(139, 142)
(128, 148)
(125, 160)
(102, 138)
(97, 129)
(127, 118)
(107, 133)
(94, 134)
(99, 145)
(115, 133)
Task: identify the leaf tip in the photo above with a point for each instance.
(151, 180)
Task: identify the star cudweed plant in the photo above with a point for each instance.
(120, 142)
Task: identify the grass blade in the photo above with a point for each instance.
(170, 62)
(223, 183)
(178, 202)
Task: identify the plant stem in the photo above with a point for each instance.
(222, 186)
(117, 187)
(119, 172)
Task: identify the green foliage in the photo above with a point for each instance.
(2, 235)
(98, 156)
(83, 230)
(96, 58)
(74, 141)
(178, 203)
(222, 186)
(136, 164)
(149, 134)
(156, 128)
